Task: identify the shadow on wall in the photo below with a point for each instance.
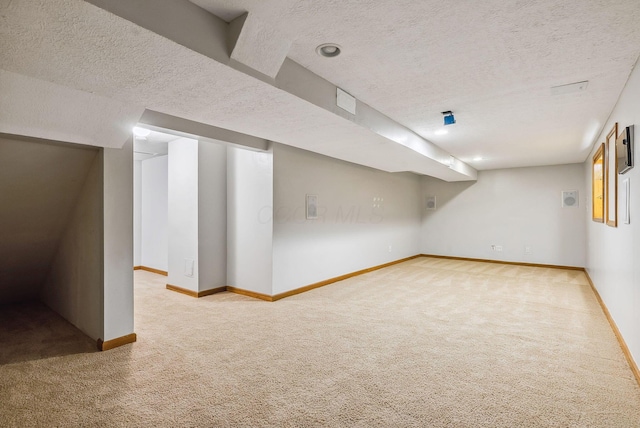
(50, 251)
(40, 182)
(444, 191)
(31, 331)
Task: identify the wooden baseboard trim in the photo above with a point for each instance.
(196, 293)
(118, 341)
(347, 276)
(502, 262)
(616, 331)
(211, 291)
(182, 290)
(268, 298)
(338, 278)
(148, 269)
(253, 294)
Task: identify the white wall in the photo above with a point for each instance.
(137, 213)
(613, 254)
(212, 215)
(117, 171)
(513, 208)
(154, 213)
(73, 287)
(183, 211)
(350, 233)
(249, 225)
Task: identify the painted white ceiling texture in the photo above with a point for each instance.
(87, 71)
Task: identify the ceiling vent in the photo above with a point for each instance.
(570, 88)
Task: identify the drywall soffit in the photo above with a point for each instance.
(167, 67)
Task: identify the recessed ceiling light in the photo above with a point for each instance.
(441, 132)
(478, 158)
(140, 132)
(328, 50)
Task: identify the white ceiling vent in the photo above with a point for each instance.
(345, 101)
(570, 88)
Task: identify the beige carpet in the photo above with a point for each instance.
(426, 343)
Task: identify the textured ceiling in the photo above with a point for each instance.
(42, 109)
(493, 63)
(79, 46)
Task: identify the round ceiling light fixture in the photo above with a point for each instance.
(441, 132)
(328, 50)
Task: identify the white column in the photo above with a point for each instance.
(118, 241)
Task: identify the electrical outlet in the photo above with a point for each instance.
(390, 248)
(527, 249)
(498, 248)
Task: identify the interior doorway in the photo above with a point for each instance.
(203, 212)
(180, 209)
(150, 200)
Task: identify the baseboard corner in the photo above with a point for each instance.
(248, 293)
(117, 342)
(152, 270)
(181, 290)
(211, 291)
(196, 294)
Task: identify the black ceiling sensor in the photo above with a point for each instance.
(624, 150)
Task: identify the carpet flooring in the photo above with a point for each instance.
(425, 343)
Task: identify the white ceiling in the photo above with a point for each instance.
(75, 45)
(493, 64)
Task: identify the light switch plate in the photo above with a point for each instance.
(188, 267)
